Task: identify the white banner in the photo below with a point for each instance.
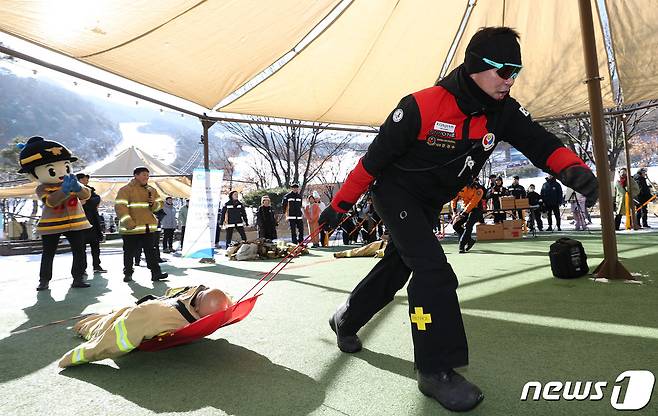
(201, 221)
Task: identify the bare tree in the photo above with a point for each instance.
(577, 133)
(292, 153)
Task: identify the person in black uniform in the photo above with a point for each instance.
(94, 235)
(552, 196)
(265, 219)
(534, 200)
(432, 144)
(292, 209)
(645, 194)
(517, 191)
(234, 216)
(493, 194)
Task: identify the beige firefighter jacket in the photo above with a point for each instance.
(133, 210)
(61, 212)
(374, 249)
(117, 333)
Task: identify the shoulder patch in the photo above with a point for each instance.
(397, 115)
(524, 111)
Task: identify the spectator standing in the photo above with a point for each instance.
(552, 196)
(265, 219)
(292, 209)
(534, 200)
(94, 235)
(312, 213)
(169, 224)
(518, 191)
(622, 185)
(234, 217)
(182, 220)
(494, 193)
(646, 192)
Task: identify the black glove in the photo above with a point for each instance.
(582, 180)
(329, 218)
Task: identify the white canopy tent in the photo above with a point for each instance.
(116, 172)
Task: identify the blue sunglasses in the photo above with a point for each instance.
(505, 70)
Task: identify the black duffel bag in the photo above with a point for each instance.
(568, 259)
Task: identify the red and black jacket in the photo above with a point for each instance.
(438, 139)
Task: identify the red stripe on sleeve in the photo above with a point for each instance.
(562, 158)
(355, 185)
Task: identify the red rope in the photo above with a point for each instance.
(285, 261)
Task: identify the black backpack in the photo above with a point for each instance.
(568, 259)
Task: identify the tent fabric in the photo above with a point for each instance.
(356, 70)
(197, 50)
(361, 82)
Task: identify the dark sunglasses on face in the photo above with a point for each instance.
(505, 70)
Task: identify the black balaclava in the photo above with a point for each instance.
(493, 43)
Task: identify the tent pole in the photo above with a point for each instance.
(207, 124)
(610, 268)
(631, 203)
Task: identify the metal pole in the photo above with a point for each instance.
(207, 124)
(631, 204)
(610, 268)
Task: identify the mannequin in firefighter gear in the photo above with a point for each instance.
(134, 205)
(292, 209)
(49, 163)
(119, 332)
(234, 217)
(431, 145)
(471, 212)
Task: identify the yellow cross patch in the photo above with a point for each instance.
(421, 319)
(56, 151)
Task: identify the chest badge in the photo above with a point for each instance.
(488, 141)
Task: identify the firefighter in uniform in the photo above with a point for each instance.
(134, 205)
(292, 209)
(234, 216)
(49, 163)
(119, 332)
(430, 146)
(471, 196)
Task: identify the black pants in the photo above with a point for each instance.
(464, 226)
(167, 238)
(553, 210)
(535, 217)
(643, 212)
(229, 234)
(440, 344)
(134, 242)
(49, 245)
(140, 245)
(218, 234)
(182, 236)
(95, 247)
(499, 217)
(296, 231)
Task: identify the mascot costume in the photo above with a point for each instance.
(49, 163)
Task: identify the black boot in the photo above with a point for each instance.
(346, 342)
(450, 389)
(160, 276)
(470, 244)
(128, 277)
(43, 285)
(79, 282)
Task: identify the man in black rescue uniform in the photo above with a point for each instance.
(292, 209)
(432, 144)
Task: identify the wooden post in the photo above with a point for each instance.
(610, 268)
